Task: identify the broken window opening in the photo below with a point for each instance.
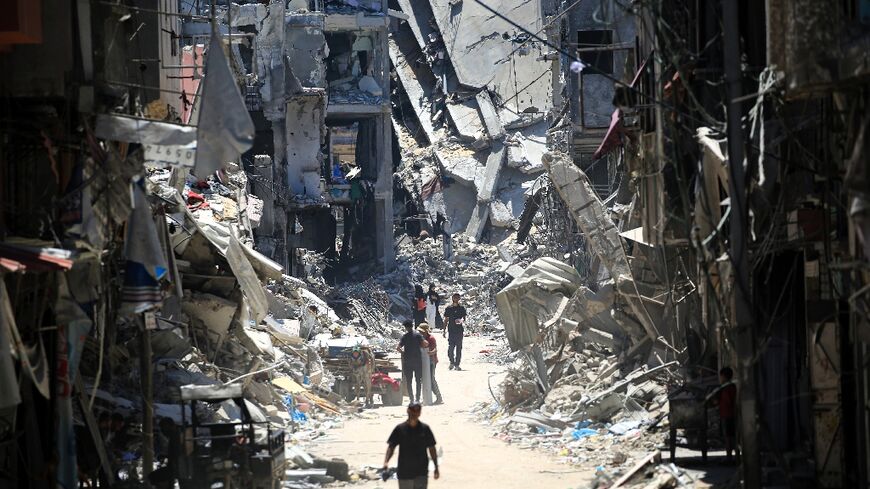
(595, 49)
(353, 6)
(350, 172)
(350, 69)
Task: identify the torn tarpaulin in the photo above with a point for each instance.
(146, 262)
(431, 187)
(247, 278)
(613, 138)
(225, 128)
(163, 143)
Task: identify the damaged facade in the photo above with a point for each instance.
(164, 169)
(316, 78)
(215, 204)
(697, 261)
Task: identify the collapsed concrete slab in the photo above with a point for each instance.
(210, 313)
(465, 169)
(485, 192)
(467, 122)
(489, 114)
(419, 95)
(545, 282)
(484, 51)
(601, 234)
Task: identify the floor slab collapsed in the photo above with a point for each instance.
(213, 217)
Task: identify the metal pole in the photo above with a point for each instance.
(426, 395)
(146, 380)
(742, 318)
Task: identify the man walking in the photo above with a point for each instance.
(433, 360)
(455, 316)
(414, 438)
(412, 358)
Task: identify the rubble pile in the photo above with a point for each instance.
(593, 414)
(474, 271)
(232, 317)
(478, 144)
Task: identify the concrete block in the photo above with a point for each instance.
(463, 169)
(467, 122)
(494, 164)
(489, 115)
(479, 216)
(214, 312)
(500, 215)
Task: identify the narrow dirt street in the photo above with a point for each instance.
(470, 456)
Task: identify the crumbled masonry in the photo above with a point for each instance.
(215, 218)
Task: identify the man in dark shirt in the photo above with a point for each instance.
(412, 358)
(455, 316)
(414, 438)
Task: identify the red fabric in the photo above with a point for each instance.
(432, 346)
(728, 402)
(431, 187)
(196, 201)
(379, 378)
(613, 138)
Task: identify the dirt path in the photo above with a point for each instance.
(471, 457)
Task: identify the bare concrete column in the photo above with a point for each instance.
(384, 193)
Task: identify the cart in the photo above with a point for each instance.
(380, 376)
(244, 454)
(688, 411)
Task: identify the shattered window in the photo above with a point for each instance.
(594, 49)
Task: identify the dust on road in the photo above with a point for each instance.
(470, 456)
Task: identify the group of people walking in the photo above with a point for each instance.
(418, 336)
(413, 437)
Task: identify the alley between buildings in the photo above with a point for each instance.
(469, 455)
(233, 232)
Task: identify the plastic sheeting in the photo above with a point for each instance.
(225, 128)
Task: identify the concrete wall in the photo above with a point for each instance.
(305, 45)
(304, 133)
(595, 105)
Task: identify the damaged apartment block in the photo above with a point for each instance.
(318, 84)
(471, 141)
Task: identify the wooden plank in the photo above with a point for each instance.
(95, 432)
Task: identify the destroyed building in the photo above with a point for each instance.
(474, 141)
(317, 83)
(758, 264)
(137, 185)
(196, 196)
